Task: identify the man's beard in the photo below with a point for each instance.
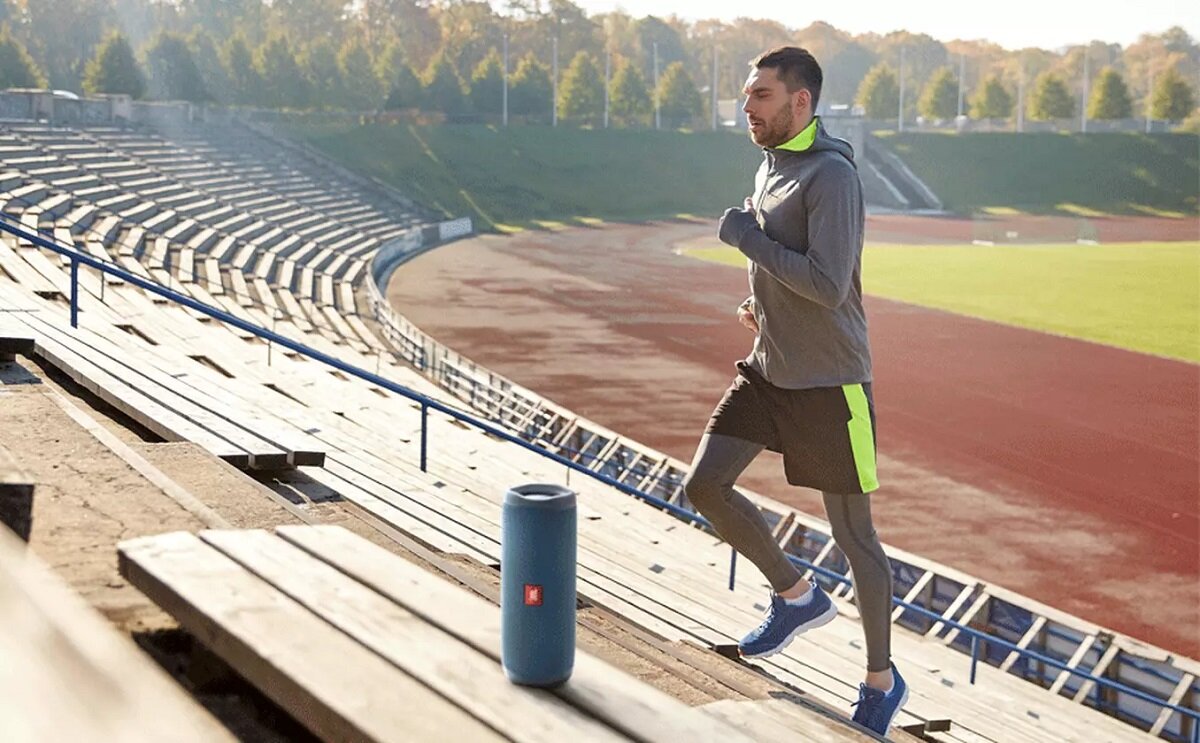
(775, 132)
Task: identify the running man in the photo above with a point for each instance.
(805, 389)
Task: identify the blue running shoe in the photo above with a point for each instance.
(875, 709)
(784, 621)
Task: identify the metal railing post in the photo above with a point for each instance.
(75, 293)
(974, 656)
(424, 435)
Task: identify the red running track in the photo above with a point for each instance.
(1064, 470)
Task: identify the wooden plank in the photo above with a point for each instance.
(639, 711)
(16, 496)
(761, 720)
(15, 338)
(468, 678)
(187, 266)
(21, 272)
(191, 382)
(335, 687)
(966, 618)
(1176, 697)
(913, 592)
(68, 676)
(148, 412)
(1030, 634)
(346, 295)
(212, 276)
(1065, 675)
(241, 292)
(1101, 666)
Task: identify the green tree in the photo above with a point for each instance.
(173, 74)
(649, 31)
(629, 100)
(1051, 99)
(399, 81)
(17, 68)
(1173, 98)
(581, 95)
(939, 99)
(879, 93)
(1110, 98)
(64, 36)
(208, 62)
(443, 88)
(530, 90)
(407, 23)
(245, 82)
(283, 83)
(308, 19)
(678, 99)
(114, 69)
(992, 100)
(362, 88)
(325, 83)
(487, 85)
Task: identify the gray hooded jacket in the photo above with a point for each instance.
(805, 243)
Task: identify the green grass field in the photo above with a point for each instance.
(1139, 296)
(525, 174)
(1066, 173)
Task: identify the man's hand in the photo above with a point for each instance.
(745, 314)
(736, 223)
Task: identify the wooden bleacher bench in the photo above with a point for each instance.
(16, 496)
(15, 338)
(66, 675)
(377, 649)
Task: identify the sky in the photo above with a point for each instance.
(1013, 24)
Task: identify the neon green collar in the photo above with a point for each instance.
(803, 140)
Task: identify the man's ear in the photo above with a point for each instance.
(802, 100)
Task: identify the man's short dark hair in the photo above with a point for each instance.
(796, 67)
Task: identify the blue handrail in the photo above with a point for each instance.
(428, 403)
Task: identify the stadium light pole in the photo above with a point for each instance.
(1084, 94)
(657, 113)
(1149, 97)
(715, 114)
(607, 82)
(1021, 99)
(505, 96)
(962, 73)
(554, 88)
(900, 110)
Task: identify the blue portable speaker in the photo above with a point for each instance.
(537, 584)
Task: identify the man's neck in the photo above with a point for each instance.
(802, 139)
(792, 135)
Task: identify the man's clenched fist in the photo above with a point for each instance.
(745, 313)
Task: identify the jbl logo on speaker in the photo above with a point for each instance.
(533, 595)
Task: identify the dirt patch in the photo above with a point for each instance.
(1014, 455)
(87, 499)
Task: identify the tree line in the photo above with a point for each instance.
(1107, 97)
(448, 56)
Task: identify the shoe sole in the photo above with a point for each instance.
(819, 621)
(903, 700)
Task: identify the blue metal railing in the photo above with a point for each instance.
(976, 636)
